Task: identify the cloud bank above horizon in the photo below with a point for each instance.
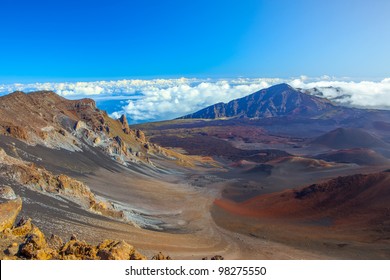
(161, 99)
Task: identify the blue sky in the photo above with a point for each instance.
(101, 40)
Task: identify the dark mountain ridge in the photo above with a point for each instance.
(285, 103)
(276, 101)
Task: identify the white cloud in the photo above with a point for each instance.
(360, 94)
(159, 99)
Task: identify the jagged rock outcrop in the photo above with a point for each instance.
(16, 131)
(140, 135)
(78, 250)
(79, 125)
(106, 250)
(34, 245)
(55, 242)
(122, 145)
(27, 241)
(125, 124)
(8, 212)
(23, 227)
(118, 250)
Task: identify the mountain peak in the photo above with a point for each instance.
(275, 101)
(281, 87)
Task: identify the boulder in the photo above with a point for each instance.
(97, 140)
(35, 246)
(7, 192)
(77, 250)
(55, 242)
(106, 209)
(23, 227)
(140, 135)
(12, 250)
(74, 188)
(118, 250)
(16, 131)
(8, 212)
(79, 125)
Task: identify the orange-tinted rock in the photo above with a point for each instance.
(140, 135)
(16, 131)
(35, 246)
(117, 250)
(23, 227)
(106, 210)
(78, 250)
(125, 124)
(8, 212)
(12, 250)
(55, 242)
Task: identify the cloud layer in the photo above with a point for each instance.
(159, 99)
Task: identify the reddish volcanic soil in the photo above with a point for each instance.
(346, 217)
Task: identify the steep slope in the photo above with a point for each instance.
(278, 100)
(41, 180)
(348, 138)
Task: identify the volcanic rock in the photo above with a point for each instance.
(78, 250)
(79, 125)
(12, 249)
(55, 242)
(23, 227)
(50, 117)
(40, 179)
(35, 246)
(16, 131)
(97, 140)
(7, 192)
(140, 135)
(125, 124)
(8, 212)
(114, 250)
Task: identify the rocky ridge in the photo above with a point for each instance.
(47, 119)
